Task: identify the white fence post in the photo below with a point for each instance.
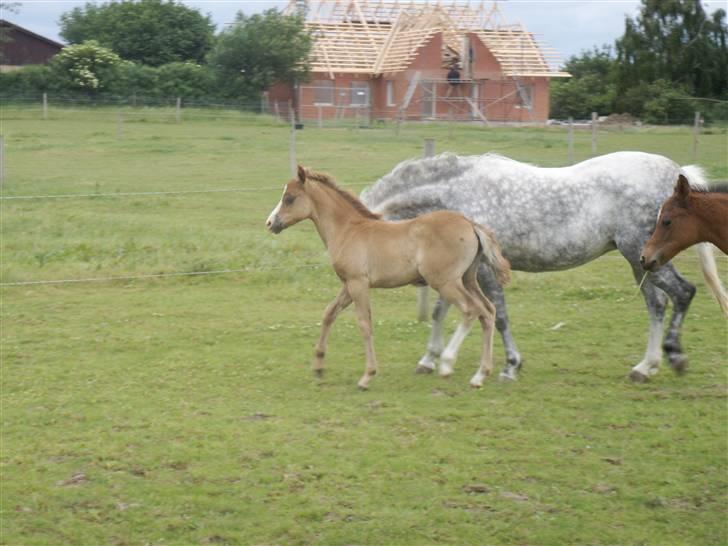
(45, 105)
(178, 112)
(594, 133)
(423, 308)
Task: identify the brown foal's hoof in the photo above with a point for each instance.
(319, 373)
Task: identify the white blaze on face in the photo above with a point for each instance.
(274, 212)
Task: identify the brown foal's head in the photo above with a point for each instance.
(294, 206)
(675, 231)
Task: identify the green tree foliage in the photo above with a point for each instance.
(674, 41)
(151, 32)
(258, 51)
(590, 89)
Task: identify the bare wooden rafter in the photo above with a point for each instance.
(384, 36)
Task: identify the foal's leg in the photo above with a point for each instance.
(340, 303)
(359, 292)
(456, 294)
(494, 292)
(437, 339)
(487, 313)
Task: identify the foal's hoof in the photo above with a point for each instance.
(362, 388)
(678, 362)
(319, 373)
(422, 369)
(638, 377)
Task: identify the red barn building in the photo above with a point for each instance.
(20, 47)
(386, 60)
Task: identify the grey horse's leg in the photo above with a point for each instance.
(656, 300)
(664, 281)
(494, 291)
(681, 292)
(436, 343)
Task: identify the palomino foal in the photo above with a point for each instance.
(442, 249)
(689, 216)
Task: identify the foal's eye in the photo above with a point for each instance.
(289, 199)
(666, 222)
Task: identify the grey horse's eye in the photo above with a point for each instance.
(666, 222)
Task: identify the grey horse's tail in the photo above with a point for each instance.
(491, 252)
(696, 177)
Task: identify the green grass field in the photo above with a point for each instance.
(182, 410)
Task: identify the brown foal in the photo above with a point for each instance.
(442, 249)
(689, 216)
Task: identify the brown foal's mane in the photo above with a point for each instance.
(327, 181)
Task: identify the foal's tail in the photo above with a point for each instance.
(491, 252)
(696, 177)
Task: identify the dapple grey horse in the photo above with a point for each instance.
(549, 219)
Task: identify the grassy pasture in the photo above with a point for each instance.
(182, 410)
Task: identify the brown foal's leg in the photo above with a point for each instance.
(487, 321)
(340, 303)
(359, 291)
(455, 293)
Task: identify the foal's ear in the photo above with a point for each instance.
(302, 174)
(682, 188)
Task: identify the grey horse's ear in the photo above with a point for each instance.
(682, 188)
(302, 174)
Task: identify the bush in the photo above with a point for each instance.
(30, 80)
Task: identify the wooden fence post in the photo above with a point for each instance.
(571, 141)
(178, 111)
(696, 133)
(594, 133)
(45, 105)
(2, 161)
(292, 147)
(423, 309)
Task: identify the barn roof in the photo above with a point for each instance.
(381, 36)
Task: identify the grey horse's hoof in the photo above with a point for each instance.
(678, 363)
(507, 377)
(423, 369)
(638, 377)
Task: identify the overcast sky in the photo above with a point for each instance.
(568, 26)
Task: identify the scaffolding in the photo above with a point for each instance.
(380, 38)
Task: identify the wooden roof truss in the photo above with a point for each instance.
(384, 36)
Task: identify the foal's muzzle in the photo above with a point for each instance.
(275, 225)
(649, 265)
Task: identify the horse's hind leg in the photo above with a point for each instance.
(436, 343)
(487, 313)
(456, 294)
(494, 292)
(359, 292)
(681, 293)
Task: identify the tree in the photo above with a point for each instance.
(674, 41)
(152, 32)
(258, 51)
(591, 87)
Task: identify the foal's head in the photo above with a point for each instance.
(676, 228)
(294, 206)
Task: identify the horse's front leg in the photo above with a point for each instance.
(359, 292)
(340, 303)
(437, 340)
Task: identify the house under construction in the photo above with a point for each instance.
(419, 60)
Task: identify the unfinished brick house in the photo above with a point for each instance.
(390, 60)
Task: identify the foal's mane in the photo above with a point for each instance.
(327, 181)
